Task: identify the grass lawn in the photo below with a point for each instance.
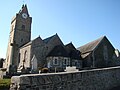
(4, 83)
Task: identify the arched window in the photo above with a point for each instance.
(23, 27)
(25, 56)
(19, 58)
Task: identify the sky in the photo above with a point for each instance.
(76, 21)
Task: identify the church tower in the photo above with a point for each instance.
(20, 34)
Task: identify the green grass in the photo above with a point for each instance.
(5, 83)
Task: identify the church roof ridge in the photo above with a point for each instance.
(70, 45)
(36, 38)
(46, 40)
(91, 45)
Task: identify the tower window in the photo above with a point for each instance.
(23, 27)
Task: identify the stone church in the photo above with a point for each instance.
(26, 55)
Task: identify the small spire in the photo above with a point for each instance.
(24, 9)
(25, 5)
(22, 6)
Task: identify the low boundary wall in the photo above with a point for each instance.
(96, 79)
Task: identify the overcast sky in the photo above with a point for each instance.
(79, 21)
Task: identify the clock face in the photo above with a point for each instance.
(24, 15)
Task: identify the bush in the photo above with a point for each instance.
(44, 70)
(5, 83)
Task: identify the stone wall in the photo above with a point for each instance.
(97, 79)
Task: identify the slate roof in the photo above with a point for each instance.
(58, 50)
(45, 40)
(49, 38)
(29, 43)
(89, 47)
(70, 46)
(73, 53)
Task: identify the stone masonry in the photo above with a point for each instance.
(96, 79)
